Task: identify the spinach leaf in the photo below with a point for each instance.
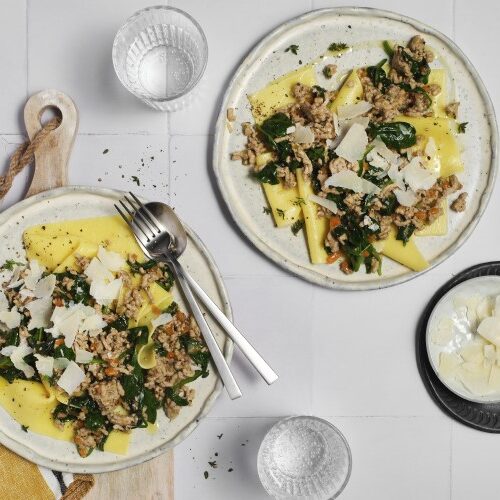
(167, 281)
(159, 349)
(172, 308)
(405, 232)
(420, 69)
(133, 383)
(315, 154)
(64, 413)
(63, 351)
(283, 151)
(398, 135)
(178, 400)
(372, 174)
(268, 174)
(79, 291)
(354, 241)
(12, 337)
(94, 419)
(275, 126)
(378, 75)
(151, 405)
(120, 324)
(196, 351)
(139, 335)
(387, 48)
(318, 91)
(338, 199)
(137, 267)
(389, 204)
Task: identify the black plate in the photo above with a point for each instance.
(482, 416)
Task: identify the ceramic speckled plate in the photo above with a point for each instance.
(76, 203)
(360, 28)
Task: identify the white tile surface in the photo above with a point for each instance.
(232, 28)
(474, 464)
(364, 350)
(144, 157)
(437, 14)
(271, 317)
(12, 63)
(191, 179)
(397, 458)
(70, 49)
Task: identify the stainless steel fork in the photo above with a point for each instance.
(147, 236)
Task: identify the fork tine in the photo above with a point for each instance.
(133, 226)
(138, 214)
(147, 212)
(139, 226)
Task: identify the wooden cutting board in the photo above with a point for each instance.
(153, 479)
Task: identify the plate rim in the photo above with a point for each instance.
(476, 415)
(428, 339)
(315, 276)
(23, 450)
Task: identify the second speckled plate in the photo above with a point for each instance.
(359, 28)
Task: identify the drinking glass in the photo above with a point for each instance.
(304, 457)
(159, 55)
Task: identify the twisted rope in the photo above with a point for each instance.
(24, 156)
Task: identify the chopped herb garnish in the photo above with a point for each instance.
(297, 226)
(136, 180)
(298, 201)
(25, 428)
(293, 49)
(266, 210)
(106, 151)
(281, 213)
(10, 264)
(461, 127)
(205, 474)
(213, 464)
(337, 47)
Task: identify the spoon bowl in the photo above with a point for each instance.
(174, 240)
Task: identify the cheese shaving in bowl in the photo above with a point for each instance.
(353, 145)
(71, 378)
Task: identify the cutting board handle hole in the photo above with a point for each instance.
(48, 113)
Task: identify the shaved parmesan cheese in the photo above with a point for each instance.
(380, 147)
(364, 121)
(96, 271)
(406, 198)
(161, 320)
(489, 352)
(71, 378)
(105, 293)
(44, 365)
(16, 279)
(375, 159)
(348, 179)
(45, 286)
(497, 306)
(430, 147)
(40, 311)
(303, 135)
(33, 275)
(24, 292)
(489, 329)
(6, 275)
(417, 176)
(353, 145)
(17, 355)
(111, 260)
(396, 176)
(93, 322)
(324, 202)
(60, 363)
(11, 319)
(448, 364)
(291, 129)
(348, 111)
(4, 303)
(336, 127)
(82, 356)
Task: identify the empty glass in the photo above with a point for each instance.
(159, 55)
(304, 457)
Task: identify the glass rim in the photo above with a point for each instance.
(190, 18)
(328, 424)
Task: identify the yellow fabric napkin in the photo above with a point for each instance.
(21, 480)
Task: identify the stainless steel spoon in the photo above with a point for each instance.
(174, 243)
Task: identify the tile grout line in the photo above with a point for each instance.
(451, 460)
(453, 18)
